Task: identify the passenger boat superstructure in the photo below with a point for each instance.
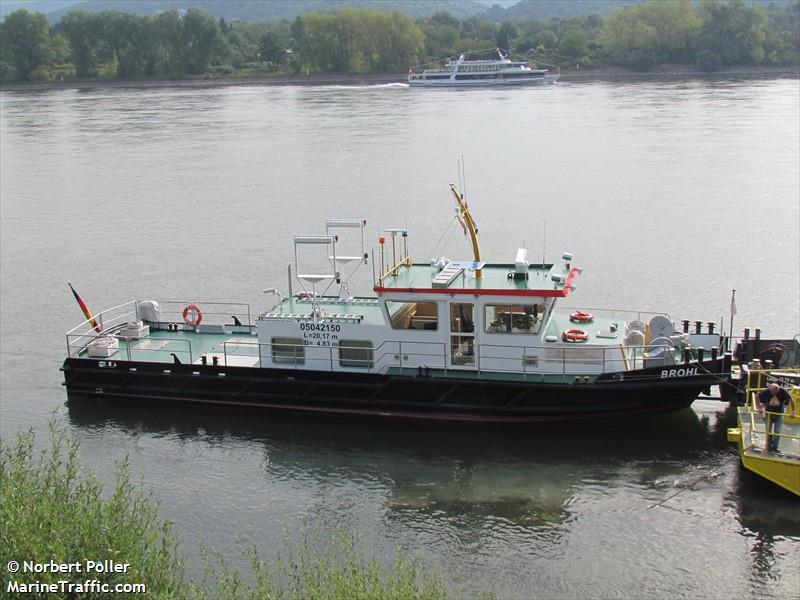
(501, 70)
(447, 340)
(781, 467)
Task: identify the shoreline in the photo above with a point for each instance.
(324, 79)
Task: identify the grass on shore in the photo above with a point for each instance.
(52, 510)
(316, 569)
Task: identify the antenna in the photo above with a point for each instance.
(462, 177)
(313, 278)
(544, 241)
(358, 256)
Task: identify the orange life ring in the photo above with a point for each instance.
(581, 317)
(575, 335)
(192, 315)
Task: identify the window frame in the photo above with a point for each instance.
(535, 329)
(360, 345)
(435, 319)
(292, 357)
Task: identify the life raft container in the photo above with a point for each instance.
(575, 335)
(192, 315)
(581, 317)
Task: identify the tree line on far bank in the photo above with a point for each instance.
(191, 44)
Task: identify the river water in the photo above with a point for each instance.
(669, 193)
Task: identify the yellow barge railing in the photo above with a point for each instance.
(752, 435)
(757, 382)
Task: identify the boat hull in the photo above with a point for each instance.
(782, 470)
(446, 83)
(420, 396)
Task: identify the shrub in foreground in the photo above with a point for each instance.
(318, 568)
(52, 510)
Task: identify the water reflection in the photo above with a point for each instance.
(520, 476)
(765, 510)
(769, 518)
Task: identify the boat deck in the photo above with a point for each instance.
(755, 431)
(231, 349)
(495, 278)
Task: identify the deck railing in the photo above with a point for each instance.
(109, 322)
(626, 313)
(102, 324)
(756, 436)
(531, 363)
(568, 363)
(489, 360)
(213, 312)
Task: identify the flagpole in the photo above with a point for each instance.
(86, 312)
(733, 312)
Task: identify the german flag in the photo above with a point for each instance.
(85, 309)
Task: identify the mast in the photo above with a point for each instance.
(463, 211)
(455, 67)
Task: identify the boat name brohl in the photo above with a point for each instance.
(678, 372)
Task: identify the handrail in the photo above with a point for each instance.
(561, 360)
(88, 322)
(103, 317)
(391, 353)
(754, 429)
(71, 338)
(484, 352)
(762, 378)
(757, 380)
(212, 303)
(639, 313)
(449, 59)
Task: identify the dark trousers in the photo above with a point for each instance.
(774, 426)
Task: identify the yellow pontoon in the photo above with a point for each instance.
(781, 467)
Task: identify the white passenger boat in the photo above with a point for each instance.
(463, 72)
(440, 340)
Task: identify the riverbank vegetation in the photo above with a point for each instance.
(708, 35)
(52, 511)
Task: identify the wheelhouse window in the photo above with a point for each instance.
(514, 318)
(288, 350)
(356, 353)
(413, 315)
(461, 319)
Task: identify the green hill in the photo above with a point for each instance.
(274, 10)
(43, 6)
(545, 10)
